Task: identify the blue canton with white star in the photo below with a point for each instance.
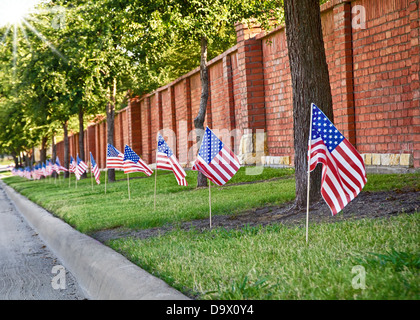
(129, 154)
(323, 128)
(112, 152)
(92, 161)
(210, 146)
(163, 147)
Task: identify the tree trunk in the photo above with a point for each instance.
(43, 151)
(33, 157)
(310, 84)
(26, 159)
(110, 116)
(54, 153)
(82, 138)
(15, 159)
(66, 150)
(199, 120)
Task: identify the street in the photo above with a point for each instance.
(28, 269)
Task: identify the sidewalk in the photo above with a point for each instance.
(100, 271)
(28, 269)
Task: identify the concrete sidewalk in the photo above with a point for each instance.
(100, 271)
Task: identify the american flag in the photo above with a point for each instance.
(133, 163)
(166, 160)
(72, 167)
(49, 168)
(44, 170)
(215, 160)
(38, 171)
(343, 170)
(114, 158)
(80, 168)
(58, 167)
(95, 169)
(28, 173)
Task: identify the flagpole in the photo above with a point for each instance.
(128, 184)
(210, 200)
(69, 177)
(154, 208)
(309, 175)
(106, 174)
(91, 177)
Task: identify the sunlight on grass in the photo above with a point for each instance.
(250, 263)
(89, 210)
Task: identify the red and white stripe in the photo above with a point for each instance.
(221, 169)
(96, 174)
(140, 166)
(115, 162)
(343, 173)
(72, 167)
(80, 169)
(164, 162)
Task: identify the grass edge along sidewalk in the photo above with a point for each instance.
(272, 263)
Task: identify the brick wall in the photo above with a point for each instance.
(374, 76)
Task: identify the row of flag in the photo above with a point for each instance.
(40, 170)
(48, 168)
(343, 172)
(217, 162)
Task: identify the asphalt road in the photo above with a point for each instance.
(28, 269)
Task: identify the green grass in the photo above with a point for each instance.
(89, 210)
(251, 263)
(275, 262)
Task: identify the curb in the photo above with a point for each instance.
(102, 273)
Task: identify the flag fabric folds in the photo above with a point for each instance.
(72, 166)
(49, 168)
(44, 170)
(94, 168)
(166, 160)
(343, 170)
(58, 167)
(217, 162)
(80, 167)
(114, 158)
(133, 163)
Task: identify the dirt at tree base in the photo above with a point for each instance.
(366, 205)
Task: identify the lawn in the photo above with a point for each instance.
(92, 210)
(270, 262)
(275, 262)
